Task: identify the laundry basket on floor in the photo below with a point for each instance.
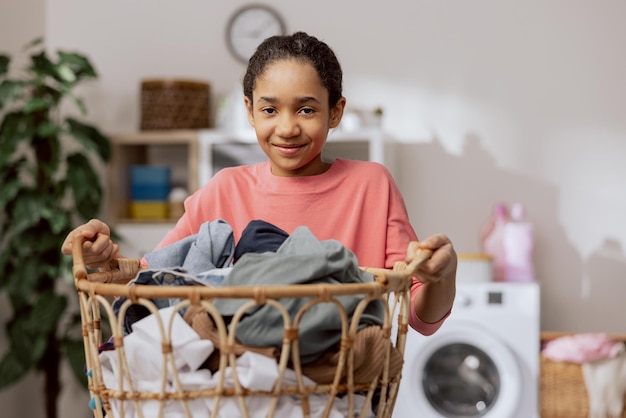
(563, 389)
(359, 378)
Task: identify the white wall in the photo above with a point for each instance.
(536, 88)
(512, 101)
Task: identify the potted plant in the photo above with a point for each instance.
(48, 184)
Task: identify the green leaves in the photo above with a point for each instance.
(11, 369)
(10, 90)
(4, 64)
(28, 207)
(22, 279)
(37, 103)
(84, 184)
(68, 70)
(46, 182)
(47, 129)
(45, 315)
(78, 64)
(41, 65)
(11, 134)
(10, 188)
(28, 333)
(75, 353)
(90, 137)
(74, 348)
(65, 73)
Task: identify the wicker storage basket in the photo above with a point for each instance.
(563, 390)
(96, 290)
(174, 104)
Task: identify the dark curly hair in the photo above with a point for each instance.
(299, 46)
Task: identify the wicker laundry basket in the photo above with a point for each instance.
(358, 397)
(563, 390)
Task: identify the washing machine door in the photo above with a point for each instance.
(465, 372)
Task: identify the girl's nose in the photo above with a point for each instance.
(287, 126)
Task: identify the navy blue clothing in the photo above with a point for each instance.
(259, 237)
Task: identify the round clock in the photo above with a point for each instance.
(249, 26)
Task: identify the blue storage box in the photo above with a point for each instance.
(149, 182)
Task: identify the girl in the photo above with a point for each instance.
(293, 97)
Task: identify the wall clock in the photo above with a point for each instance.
(249, 26)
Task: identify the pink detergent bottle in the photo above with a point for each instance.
(492, 240)
(518, 247)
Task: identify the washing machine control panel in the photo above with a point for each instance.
(491, 298)
(494, 298)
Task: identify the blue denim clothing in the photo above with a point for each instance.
(201, 259)
(205, 258)
(212, 247)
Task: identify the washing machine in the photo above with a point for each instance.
(482, 362)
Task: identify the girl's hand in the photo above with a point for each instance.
(98, 249)
(441, 266)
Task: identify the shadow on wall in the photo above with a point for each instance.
(455, 195)
(605, 280)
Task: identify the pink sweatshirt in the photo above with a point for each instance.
(354, 202)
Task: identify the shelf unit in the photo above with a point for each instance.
(194, 156)
(176, 149)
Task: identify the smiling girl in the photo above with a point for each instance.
(293, 96)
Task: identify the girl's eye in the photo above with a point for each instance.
(307, 110)
(268, 111)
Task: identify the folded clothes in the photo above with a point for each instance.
(581, 348)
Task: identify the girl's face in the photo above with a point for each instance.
(291, 117)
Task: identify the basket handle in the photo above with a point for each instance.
(120, 270)
(402, 269)
(421, 256)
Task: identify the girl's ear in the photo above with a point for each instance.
(248, 104)
(336, 113)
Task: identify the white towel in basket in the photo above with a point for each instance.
(255, 372)
(605, 380)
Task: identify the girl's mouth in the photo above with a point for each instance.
(288, 150)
